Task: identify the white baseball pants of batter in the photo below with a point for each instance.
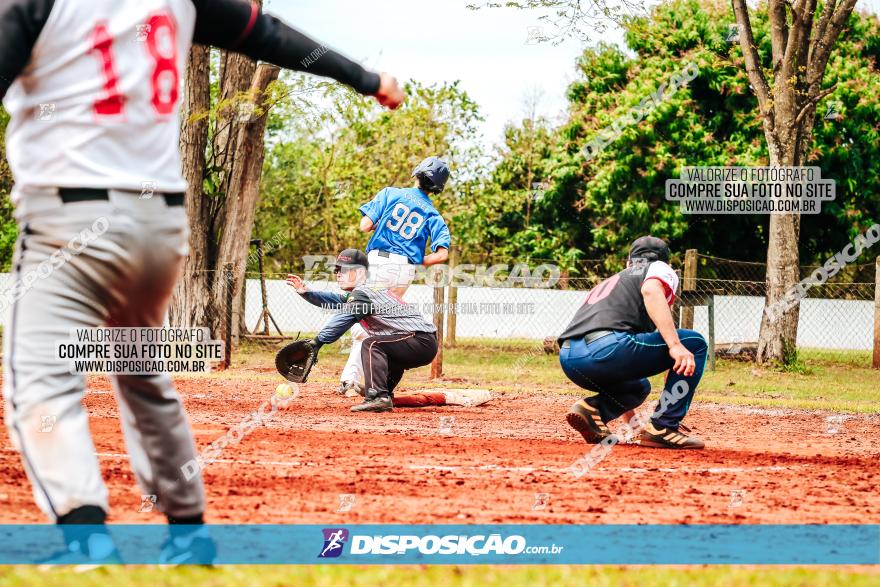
(385, 272)
(123, 276)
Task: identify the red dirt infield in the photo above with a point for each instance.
(504, 462)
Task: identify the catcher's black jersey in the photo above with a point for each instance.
(617, 303)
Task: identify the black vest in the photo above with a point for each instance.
(614, 304)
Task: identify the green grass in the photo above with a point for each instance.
(838, 381)
(274, 576)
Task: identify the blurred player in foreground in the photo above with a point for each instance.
(403, 221)
(625, 333)
(398, 336)
(93, 90)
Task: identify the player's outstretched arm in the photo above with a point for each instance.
(238, 25)
(21, 22)
(335, 328)
(324, 299)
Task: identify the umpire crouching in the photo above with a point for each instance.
(625, 333)
(399, 338)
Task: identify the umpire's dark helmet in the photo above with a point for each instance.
(432, 173)
(650, 248)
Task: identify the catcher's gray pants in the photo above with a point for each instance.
(88, 264)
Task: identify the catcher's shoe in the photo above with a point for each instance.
(669, 438)
(586, 419)
(380, 403)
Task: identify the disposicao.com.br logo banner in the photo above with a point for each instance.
(430, 544)
(460, 544)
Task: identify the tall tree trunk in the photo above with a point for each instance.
(190, 304)
(244, 188)
(237, 77)
(220, 222)
(800, 53)
(777, 341)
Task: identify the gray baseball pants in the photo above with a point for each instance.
(86, 264)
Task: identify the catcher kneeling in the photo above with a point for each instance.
(399, 338)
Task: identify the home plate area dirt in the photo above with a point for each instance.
(508, 461)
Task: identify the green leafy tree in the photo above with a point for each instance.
(8, 228)
(786, 50)
(599, 205)
(334, 154)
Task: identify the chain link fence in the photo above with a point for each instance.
(720, 298)
(836, 318)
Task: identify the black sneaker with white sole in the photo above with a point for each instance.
(381, 403)
(675, 438)
(586, 419)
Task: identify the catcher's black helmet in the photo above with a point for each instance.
(351, 258)
(650, 248)
(432, 173)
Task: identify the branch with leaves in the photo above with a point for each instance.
(574, 18)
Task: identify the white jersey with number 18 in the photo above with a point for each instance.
(93, 87)
(97, 105)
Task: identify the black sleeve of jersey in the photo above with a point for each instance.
(359, 305)
(21, 22)
(240, 26)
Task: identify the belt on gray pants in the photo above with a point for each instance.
(70, 195)
(590, 337)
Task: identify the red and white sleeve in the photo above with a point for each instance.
(666, 275)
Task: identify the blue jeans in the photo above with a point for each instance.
(617, 367)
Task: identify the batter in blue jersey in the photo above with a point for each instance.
(405, 223)
(405, 220)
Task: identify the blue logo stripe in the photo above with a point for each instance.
(479, 544)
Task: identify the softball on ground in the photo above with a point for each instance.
(283, 390)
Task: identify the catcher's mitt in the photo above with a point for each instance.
(296, 360)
